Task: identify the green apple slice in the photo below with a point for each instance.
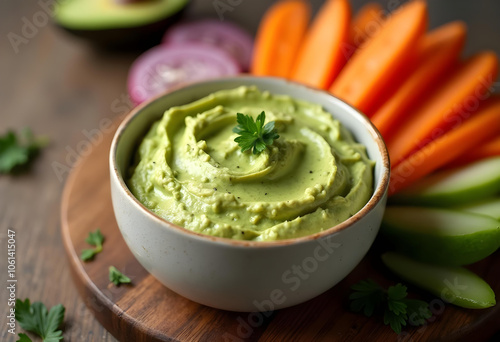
(489, 207)
(462, 185)
(439, 235)
(455, 285)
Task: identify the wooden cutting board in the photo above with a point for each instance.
(148, 311)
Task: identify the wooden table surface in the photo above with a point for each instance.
(63, 88)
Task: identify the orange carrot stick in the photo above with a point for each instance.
(452, 103)
(490, 148)
(377, 64)
(437, 53)
(320, 57)
(279, 37)
(366, 23)
(471, 133)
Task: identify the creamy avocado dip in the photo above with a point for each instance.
(190, 171)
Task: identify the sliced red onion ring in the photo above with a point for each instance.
(224, 35)
(166, 67)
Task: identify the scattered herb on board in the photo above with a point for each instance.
(254, 134)
(369, 297)
(17, 151)
(37, 319)
(116, 277)
(24, 338)
(95, 239)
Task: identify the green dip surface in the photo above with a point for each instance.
(189, 170)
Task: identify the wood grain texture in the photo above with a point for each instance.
(60, 87)
(148, 311)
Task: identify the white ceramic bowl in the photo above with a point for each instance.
(245, 275)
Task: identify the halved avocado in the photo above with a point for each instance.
(115, 23)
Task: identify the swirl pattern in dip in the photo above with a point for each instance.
(190, 171)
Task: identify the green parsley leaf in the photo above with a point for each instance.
(368, 297)
(254, 135)
(395, 320)
(24, 338)
(87, 254)
(16, 152)
(35, 318)
(418, 311)
(395, 295)
(95, 239)
(116, 277)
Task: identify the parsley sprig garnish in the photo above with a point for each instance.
(254, 134)
(17, 151)
(95, 239)
(24, 338)
(37, 319)
(116, 277)
(369, 297)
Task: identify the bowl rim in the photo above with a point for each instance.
(377, 195)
